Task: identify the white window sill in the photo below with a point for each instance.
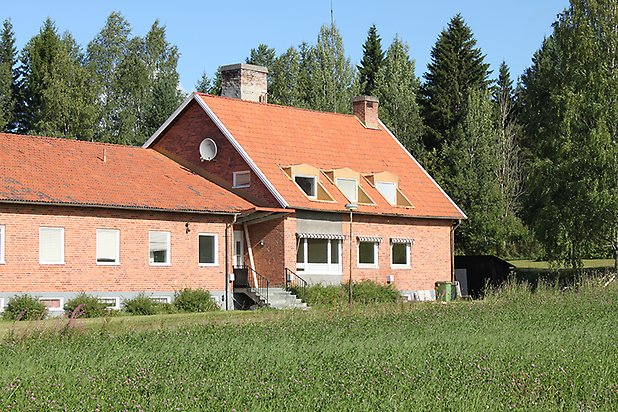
(368, 266)
(401, 267)
(160, 264)
(241, 187)
(108, 263)
(52, 263)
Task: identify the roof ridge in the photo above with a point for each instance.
(278, 106)
(69, 139)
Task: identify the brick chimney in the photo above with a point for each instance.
(244, 81)
(365, 108)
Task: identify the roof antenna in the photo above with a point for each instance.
(332, 44)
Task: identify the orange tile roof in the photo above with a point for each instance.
(275, 136)
(63, 171)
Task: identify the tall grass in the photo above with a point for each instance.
(549, 348)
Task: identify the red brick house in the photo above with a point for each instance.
(226, 182)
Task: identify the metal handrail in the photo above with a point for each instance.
(262, 286)
(292, 280)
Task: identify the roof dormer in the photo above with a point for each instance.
(349, 182)
(388, 185)
(307, 179)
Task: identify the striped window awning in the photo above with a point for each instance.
(319, 236)
(402, 240)
(375, 239)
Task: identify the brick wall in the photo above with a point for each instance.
(22, 271)
(181, 142)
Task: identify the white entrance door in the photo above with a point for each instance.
(239, 249)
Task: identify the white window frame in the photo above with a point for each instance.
(321, 268)
(41, 230)
(347, 179)
(115, 306)
(117, 261)
(161, 299)
(2, 247)
(315, 185)
(235, 176)
(376, 254)
(408, 251)
(388, 183)
(1, 305)
(169, 248)
(59, 299)
(216, 251)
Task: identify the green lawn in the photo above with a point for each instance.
(536, 264)
(549, 350)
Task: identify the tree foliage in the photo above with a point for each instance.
(570, 107)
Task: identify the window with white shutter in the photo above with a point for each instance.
(108, 247)
(51, 245)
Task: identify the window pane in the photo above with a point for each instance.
(206, 249)
(349, 188)
(300, 253)
(307, 184)
(388, 190)
(107, 246)
(242, 179)
(159, 252)
(317, 250)
(366, 253)
(51, 245)
(400, 254)
(334, 251)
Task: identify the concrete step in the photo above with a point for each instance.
(279, 298)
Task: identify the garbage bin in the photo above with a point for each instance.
(444, 291)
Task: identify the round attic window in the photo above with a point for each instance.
(208, 149)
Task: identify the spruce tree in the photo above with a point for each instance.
(371, 63)
(457, 66)
(397, 88)
(262, 55)
(57, 94)
(8, 77)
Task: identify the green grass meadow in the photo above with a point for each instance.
(548, 350)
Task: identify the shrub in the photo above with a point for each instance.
(365, 292)
(91, 306)
(144, 305)
(194, 300)
(24, 307)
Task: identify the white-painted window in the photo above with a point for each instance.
(159, 248)
(388, 190)
(207, 249)
(110, 302)
(108, 247)
(368, 254)
(349, 188)
(308, 184)
(161, 299)
(319, 256)
(53, 304)
(241, 179)
(400, 255)
(51, 245)
(2, 244)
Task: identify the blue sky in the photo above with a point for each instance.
(212, 33)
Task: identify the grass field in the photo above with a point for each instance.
(548, 350)
(536, 264)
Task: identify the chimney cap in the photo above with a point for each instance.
(243, 66)
(365, 99)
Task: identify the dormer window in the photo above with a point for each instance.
(308, 184)
(388, 190)
(241, 179)
(349, 188)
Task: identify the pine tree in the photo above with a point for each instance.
(371, 63)
(397, 88)
(570, 111)
(8, 77)
(456, 68)
(57, 95)
(105, 52)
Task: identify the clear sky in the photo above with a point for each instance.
(212, 33)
